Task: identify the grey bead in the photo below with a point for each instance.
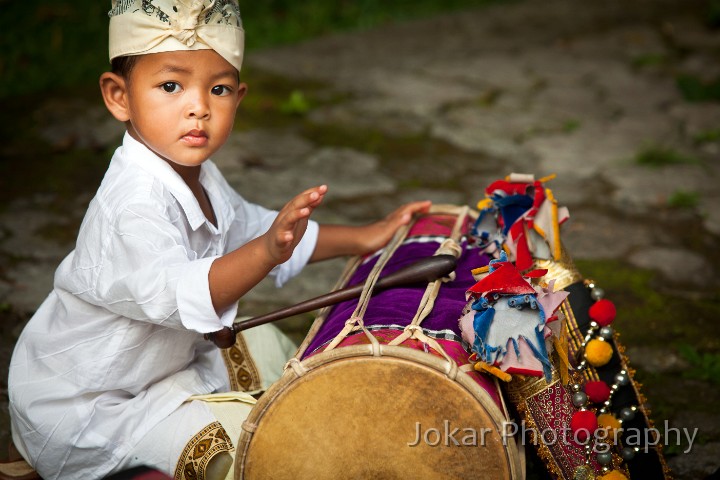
(627, 414)
(606, 333)
(627, 453)
(604, 458)
(597, 293)
(579, 399)
(622, 379)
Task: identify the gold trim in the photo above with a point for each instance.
(562, 271)
(642, 402)
(576, 339)
(590, 373)
(541, 414)
(208, 442)
(522, 387)
(241, 369)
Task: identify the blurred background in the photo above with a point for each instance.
(394, 101)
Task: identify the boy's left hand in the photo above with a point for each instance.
(377, 235)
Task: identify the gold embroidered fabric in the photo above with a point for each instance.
(243, 373)
(562, 270)
(194, 459)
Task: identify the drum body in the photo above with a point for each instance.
(350, 405)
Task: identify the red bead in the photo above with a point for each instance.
(603, 312)
(583, 424)
(597, 391)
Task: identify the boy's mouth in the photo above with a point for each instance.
(195, 138)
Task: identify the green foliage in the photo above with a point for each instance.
(694, 89)
(49, 45)
(707, 136)
(296, 104)
(648, 315)
(659, 156)
(489, 97)
(273, 22)
(570, 125)
(712, 17)
(649, 60)
(57, 44)
(704, 366)
(683, 199)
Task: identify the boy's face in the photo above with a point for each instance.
(182, 104)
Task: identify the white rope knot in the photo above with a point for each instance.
(184, 22)
(249, 427)
(356, 320)
(449, 246)
(297, 367)
(413, 329)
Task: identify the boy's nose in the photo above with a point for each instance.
(198, 107)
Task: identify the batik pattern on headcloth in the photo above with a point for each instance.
(140, 27)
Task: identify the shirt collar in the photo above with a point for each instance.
(147, 160)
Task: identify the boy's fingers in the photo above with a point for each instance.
(309, 196)
(420, 206)
(406, 212)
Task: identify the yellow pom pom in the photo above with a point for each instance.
(598, 352)
(608, 420)
(614, 475)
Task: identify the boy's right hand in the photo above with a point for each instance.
(289, 226)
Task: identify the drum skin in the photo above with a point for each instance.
(353, 415)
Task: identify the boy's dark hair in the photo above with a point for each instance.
(123, 65)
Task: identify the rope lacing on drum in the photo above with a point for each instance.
(355, 322)
(416, 332)
(297, 367)
(356, 319)
(452, 247)
(249, 427)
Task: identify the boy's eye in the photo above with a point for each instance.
(170, 87)
(220, 90)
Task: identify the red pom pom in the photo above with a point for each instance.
(603, 312)
(597, 391)
(583, 424)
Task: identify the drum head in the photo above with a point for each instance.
(375, 417)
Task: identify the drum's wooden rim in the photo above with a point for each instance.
(295, 372)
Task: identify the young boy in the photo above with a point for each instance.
(102, 376)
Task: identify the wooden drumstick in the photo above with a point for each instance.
(423, 271)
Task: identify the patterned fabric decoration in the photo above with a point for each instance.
(222, 10)
(243, 373)
(194, 459)
(139, 27)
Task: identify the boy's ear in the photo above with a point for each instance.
(242, 90)
(115, 95)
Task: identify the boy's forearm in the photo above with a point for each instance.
(236, 273)
(337, 241)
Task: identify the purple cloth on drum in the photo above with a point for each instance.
(397, 306)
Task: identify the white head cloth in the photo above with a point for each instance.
(152, 26)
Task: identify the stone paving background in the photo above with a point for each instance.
(614, 97)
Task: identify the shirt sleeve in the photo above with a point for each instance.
(148, 273)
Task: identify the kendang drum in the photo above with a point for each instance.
(383, 386)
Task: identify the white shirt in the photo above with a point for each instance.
(117, 345)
